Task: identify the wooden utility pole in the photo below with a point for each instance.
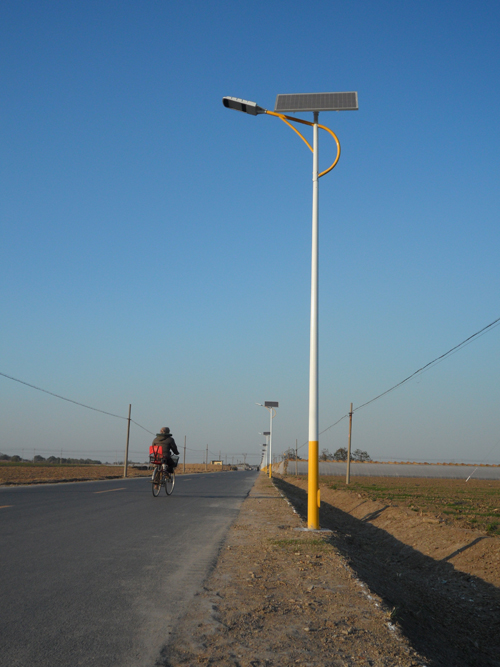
(296, 464)
(184, 468)
(125, 465)
(348, 472)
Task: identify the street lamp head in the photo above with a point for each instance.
(242, 105)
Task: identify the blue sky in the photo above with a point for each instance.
(155, 247)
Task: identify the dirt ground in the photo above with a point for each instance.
(44, 474)
(387, 587)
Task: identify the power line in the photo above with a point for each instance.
(432, 363)
(63, 398)
(143, 428)
(423, 369)
(69, 400)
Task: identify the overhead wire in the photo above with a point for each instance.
(63, 398)
(421, 370)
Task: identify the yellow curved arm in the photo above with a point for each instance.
(338, 150)
(297, 120)
(285, 119)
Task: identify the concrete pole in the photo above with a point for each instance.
(184, 468)
(348, 472)
(125, 465)
(296, 454)
(206, 460)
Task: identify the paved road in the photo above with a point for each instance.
(398, 470)
(97, 573)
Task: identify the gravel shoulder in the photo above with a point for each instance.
(282, 596)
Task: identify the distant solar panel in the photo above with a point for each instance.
(317, 102)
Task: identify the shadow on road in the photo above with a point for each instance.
(450, 617)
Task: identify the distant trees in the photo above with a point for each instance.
(339, 455)
(358, 455)
(289, 455)
(52, 460)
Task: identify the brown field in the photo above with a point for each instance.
(34, 473)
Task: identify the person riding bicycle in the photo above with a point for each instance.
(165, 439)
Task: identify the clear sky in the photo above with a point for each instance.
(155, 246)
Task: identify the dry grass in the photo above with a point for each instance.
(473, 504)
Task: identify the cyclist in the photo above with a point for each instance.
(165, 439)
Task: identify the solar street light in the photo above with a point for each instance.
(307, 102)
(270, 405)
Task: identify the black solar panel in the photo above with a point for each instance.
(317, 102)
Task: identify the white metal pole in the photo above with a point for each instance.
(313, 490)
(270, 441)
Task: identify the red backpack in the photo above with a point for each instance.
(155, 454)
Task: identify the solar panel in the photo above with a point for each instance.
(317, 102)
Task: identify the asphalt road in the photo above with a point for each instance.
(98, 573)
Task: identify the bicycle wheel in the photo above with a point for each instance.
(169, 482)
(156, 482)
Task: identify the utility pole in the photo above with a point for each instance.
(296, 450)
(206, 460)
(348, 472)
(125, 465)
(184, 468)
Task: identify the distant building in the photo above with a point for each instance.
(215, 463)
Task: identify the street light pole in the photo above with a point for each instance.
(312, 483)
(315, 102)
(266, 434)
(270, 405)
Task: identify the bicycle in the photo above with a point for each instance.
(161, 478)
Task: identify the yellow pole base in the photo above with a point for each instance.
(313, 487)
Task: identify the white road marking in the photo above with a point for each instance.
(110, 490)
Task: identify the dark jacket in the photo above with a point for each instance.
(167, 443)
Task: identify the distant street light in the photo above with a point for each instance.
(314, 102)
(266, 434)
(270, 405)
